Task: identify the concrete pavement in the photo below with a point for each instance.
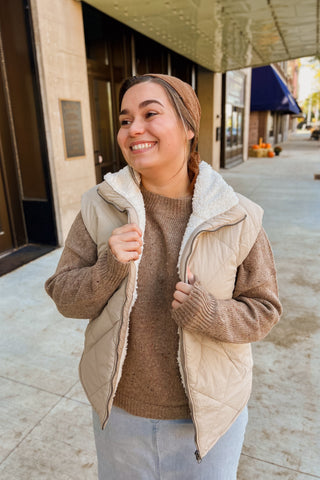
(45, 418)
(283, 435)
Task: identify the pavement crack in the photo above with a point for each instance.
(31, 429)
(280, 466)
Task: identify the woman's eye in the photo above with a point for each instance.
(151, 114)
(124, 122)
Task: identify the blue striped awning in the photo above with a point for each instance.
(269, 92)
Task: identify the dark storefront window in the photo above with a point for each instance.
(181, 67)
(151, 57)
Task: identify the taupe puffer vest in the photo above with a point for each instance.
(221, 232)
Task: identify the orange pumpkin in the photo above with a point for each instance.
(268, 145)
(270, 154)
(255, 147)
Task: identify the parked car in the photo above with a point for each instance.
(315, 134)
(301, 124)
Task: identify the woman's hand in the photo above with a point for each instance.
(183, 290)
(126, 242)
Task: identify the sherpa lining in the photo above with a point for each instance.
(125, 185)
(212, 196)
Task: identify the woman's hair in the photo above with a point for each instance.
(181, 110)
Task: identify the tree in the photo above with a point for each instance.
(311, 105)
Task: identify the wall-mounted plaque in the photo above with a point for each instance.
(72, 128)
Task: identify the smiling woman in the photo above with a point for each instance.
(154, 140)
(168, 262)
(187, 108)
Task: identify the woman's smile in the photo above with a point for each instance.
(141, 146)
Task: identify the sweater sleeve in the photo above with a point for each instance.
(251, 313)
(84, 282)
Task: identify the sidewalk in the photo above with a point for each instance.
(45, 418)
(283, 434)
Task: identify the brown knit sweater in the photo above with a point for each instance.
(150, 383)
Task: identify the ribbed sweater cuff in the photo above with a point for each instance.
(110, 269)
(197, 314)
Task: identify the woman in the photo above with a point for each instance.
(177, 276)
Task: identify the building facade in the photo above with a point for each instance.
(273, 107)
(62, 64)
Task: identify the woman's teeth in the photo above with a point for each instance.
(141, 146)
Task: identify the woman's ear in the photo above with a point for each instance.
(190, 134)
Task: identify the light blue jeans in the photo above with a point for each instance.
(136, 448)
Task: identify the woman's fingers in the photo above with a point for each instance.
(126, 242)
(184, 288)
(127, 228)
(175, 304)
(125, 252)
(181, 294)
(126, 257)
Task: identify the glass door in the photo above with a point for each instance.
(103, 128)
(233, 97)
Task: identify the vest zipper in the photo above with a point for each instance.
(184, 376)
(197, 232)
(203, 230)
(114, 369)
(118, 340)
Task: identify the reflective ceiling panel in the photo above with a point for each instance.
(224, 34)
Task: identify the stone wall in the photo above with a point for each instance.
(209, 93)
(61, 57)
(254, 128)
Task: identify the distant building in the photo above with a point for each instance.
(272, 104)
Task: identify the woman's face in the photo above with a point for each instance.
(152, 138)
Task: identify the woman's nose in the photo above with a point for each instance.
(137, 127)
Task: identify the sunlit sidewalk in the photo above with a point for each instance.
(283, 434)
(45, 418)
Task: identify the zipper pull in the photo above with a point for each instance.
(198, 457)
